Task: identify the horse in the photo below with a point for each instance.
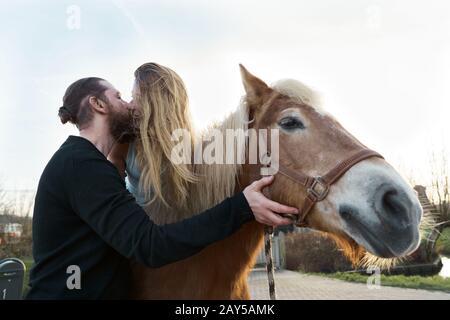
(371, 211)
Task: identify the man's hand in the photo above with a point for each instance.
(265, 210)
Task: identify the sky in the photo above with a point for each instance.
(382, 67)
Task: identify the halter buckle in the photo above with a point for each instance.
(318, 190)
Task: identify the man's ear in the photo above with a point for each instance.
(98, 105)
(256, 90)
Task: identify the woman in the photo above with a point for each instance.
(161, 100)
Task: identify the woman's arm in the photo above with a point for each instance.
(117, 156)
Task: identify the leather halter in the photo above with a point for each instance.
(317, 188)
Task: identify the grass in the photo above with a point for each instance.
(414, 282)
(443, 243)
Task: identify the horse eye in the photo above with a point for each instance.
(291, 123)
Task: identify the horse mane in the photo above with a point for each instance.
(215, 181)
(299, 92)
(218, 181)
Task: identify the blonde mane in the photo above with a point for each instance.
(299, 92)
(215, 181)
(218, 181)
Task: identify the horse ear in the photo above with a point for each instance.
(255, 88)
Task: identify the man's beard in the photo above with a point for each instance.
(122, 126)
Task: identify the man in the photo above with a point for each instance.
(85, 220)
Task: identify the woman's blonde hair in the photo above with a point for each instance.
(162, 98)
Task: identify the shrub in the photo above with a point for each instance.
(313, 251)
(21, 249)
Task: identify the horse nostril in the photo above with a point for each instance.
(390, 201)
(393, 208)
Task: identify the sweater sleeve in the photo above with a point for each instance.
(99, 197)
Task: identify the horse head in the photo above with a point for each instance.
(370, 208)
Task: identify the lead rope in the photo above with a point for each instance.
(268, 234)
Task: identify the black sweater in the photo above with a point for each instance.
(84, 216)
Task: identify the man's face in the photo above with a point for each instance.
(121, 120)
(114, 98)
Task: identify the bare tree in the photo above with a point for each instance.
(439, 196)
(23, 208)
(2, 200)
(5, 203)
(17, 208)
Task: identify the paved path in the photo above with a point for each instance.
(292, 285)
